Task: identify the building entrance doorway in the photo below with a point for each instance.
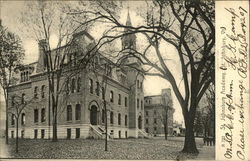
(139, 122)
(93, 115)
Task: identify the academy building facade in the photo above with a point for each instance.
(80, 106)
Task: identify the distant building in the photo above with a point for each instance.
(81, 112)
(158, 109)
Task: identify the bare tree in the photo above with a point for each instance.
(45, 18)
(167, 107)
(11, 56)
(19, 104)
(189, 28)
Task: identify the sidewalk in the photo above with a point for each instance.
(206, 153)
(3, 149)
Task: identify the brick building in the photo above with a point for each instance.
(157, 109)
(80, 107)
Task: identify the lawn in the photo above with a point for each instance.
(143, 149)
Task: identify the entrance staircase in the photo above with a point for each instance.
(143, 134)
(97, 132)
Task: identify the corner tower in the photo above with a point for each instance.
(135, 81)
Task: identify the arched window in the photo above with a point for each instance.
(69, 113)
(111, 117)
(141, 104)
(78, 84)
(23, 98)
(126, 120)
(27, 75)
(126, 101)
(91, 86)
(73, 85)
(67, 86)
(138, 84)
(43, 91)
(23, 119)
(111, 96)
(103, 115)
(35, 115)
(12, 100)
(78, 112)
(119, 119)
(43, 115)
(97, 90)
(12, 119)
(119, 99)
(21, 76)
(35, 92)
(138, 103)
(103, 93)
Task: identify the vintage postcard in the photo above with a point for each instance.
(124, 80)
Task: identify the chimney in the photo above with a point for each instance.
(43, 47)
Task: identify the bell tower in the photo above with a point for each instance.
(129, 40)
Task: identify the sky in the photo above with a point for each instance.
(10, 10)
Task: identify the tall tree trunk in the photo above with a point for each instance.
(17, 135)
(54, 138)
(6, 121)
(189, 144)
(166, 131)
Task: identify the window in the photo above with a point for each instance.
(12, 100)
(155, 128)
(69, 113)
(27, 76)
(35, 133)
(119, 133)
(103, 115)
(103, 93)
(146, 113)
(73, 85)
(138, 101)
(141, 85)
(77, 133)
(141, 104)
(35, 115)
(155, 112)
(138, 84)
(111, 117)
(68, 133)
(119, 99)
(12, 134)
(91, 86)
(155, 120)
(78, 84)
(78, 112)
(146, 121)
(21, 77)
(42, 133)
(22, 134)
(146, 130)
(35, 92)
(111, 96)
(119, 119)
(126, 134)
(43, 115)
(126, 102)
(23, 119)
(126, 120)
(43, 91)
(97, 90)
(67, 86)
(12, 119)
(23, 98)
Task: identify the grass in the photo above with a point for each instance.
(143, 149)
